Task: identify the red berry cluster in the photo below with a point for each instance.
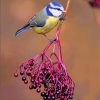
(95, 3)
(47, 77)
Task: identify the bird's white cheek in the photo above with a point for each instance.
(55, 12)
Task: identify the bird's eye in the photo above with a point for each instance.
(59, 9)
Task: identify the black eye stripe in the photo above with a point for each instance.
(59, 9)
(56, 8)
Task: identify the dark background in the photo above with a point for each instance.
(80, 41)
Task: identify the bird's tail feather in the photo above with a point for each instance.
(27, 26)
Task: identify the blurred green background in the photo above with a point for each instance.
(80, 41)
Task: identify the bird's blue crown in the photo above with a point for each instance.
(54, 4)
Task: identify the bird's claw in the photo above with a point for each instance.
(52, 39)
(62, 18)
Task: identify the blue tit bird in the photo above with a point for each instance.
(45, 20)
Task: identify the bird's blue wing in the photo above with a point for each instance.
(35, 21)
(24, 28)
(40, 24)
(38, 20)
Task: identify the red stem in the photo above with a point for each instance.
(59, 47)
(58, 44)
(47, 47)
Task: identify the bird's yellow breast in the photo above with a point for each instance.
(50, 24)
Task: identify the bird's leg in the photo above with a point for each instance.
(50, 39)
(61, 18)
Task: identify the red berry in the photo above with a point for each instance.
(31, 86)
(26, 81)
(15, 74)
(38, 90)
